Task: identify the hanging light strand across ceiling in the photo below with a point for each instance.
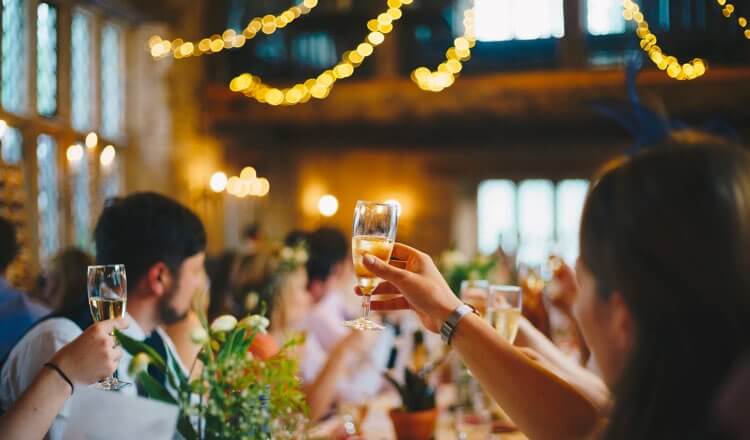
(229, 39)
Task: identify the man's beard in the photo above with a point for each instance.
(167, 312)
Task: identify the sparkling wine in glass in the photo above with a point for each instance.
(504, 310)
(374, 233)
(108, 293)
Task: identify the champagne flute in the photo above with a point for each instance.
(476, 294)
(108, 291)
(374, 233)
(504, 310)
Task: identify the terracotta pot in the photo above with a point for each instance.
(414, 425)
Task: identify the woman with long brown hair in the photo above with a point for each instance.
(664, 301)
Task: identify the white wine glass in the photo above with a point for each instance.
(504, 310)
(108, 293)
(476, 293)
(374, 233)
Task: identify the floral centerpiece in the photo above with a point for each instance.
(457, 267)
(236, 396)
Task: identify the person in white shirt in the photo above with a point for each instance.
(161, 243)
(330, 278)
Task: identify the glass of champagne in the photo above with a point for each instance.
(374, 233)
(108, 292)
(504, 310)
(475, 293)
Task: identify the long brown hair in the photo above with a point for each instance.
(670, 231)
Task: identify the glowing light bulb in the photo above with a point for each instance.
(218, 182)
(328, 205)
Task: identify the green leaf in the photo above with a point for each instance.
(186, 429)
(134, 347)
(154, 389)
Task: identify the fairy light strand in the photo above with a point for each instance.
(445, 75)
(320, 87)
(728, 10)
(229, 39)
(694, 69)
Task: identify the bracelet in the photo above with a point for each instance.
(450, 324)
(60, 372)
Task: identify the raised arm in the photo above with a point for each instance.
(90, 357)
(541, 404)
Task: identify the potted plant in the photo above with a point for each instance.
(237, 396)
(417, 417)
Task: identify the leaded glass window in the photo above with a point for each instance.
(81, 72)
(14, 94)
(604, 17)
(48, 197)
(46, 59)
(503, 20)
(81, 201)
(112, 83)
(12, 149)
(111, 172)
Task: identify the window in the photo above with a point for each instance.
(533, 218)
(503, 20)
(604, 17)
(497, 215)
(14, 94)
(46, 59)
(315, 50)
(81, 87)
(48, 197)
(112, 84)
(12, 149)
(81, 201)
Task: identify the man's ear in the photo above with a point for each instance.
(158, 279)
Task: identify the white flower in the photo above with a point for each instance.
(300, 256)
(256, 322)
(224, 323)
(251, 300)
(139, 364)
(287, 253)
(199, 336)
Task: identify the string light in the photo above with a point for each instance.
(728, 9)
(320, 87)
(229, 39)
(244, 185)
(74, 153)
(445, 75)
(676, 70)
(107, 156)
(91, 140)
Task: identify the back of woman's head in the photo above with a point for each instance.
(669, 230)
(68, 276)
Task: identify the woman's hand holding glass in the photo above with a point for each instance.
(414, 277)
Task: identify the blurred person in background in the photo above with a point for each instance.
(286, 303)
(17, 311)
(63, 285)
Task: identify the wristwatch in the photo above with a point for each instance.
(450, 324)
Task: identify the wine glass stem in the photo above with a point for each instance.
(365, 306)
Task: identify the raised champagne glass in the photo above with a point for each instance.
(504, 310)
(374, 233)
(108, 293)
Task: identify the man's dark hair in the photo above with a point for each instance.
(326, 247)
(9, 247)
(145, 228)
